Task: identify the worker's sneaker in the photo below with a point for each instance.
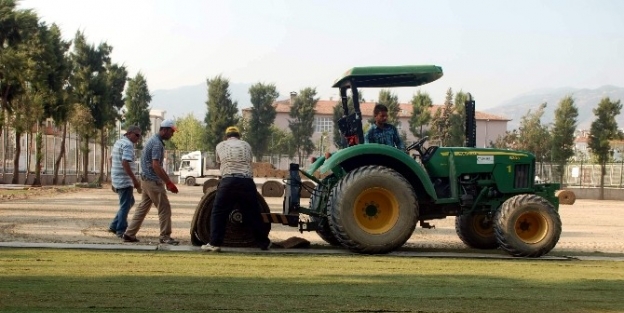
(128, 238)
(210, 248)
(266, 246)
(169, 241)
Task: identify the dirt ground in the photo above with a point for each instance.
(82, 216)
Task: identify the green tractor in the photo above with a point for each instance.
(373, 196)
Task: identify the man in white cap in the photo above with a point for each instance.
(123, 179)
(154, 181)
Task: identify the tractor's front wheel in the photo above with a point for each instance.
(373, 210)
(527, 225)
(323, 229)
(476, 231)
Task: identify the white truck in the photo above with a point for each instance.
(196, 168)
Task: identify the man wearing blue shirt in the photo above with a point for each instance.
(382, 132)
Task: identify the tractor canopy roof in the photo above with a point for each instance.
(389, 76)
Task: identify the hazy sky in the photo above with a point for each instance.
(494, 49)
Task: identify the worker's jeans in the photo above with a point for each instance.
(233, 190)
(126, 201)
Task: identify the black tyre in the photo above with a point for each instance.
(190, 181)
(324, 231)
(236, 234)
(213, 182)
(373, 210)
(476, 231)
(527, 226)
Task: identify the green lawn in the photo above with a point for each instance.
(35, 280)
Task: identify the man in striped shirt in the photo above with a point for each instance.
(382, 132)
(236, 186)
(123, 179)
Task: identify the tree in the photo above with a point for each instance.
(112, 101)
(421, 113)
(533, 136)
(603, 129)
(281, 143)
(189, 134)
(89, 87)
(137, 103)
(562, 133)
(441, 121)
(262, 117)
(457, 121)
(221, 111)
(302, 122)
(391, 101)
(507, 141)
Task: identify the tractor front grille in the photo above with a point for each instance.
(522, 178)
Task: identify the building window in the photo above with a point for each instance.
(323, 124)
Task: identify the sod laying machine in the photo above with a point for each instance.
(373, 196)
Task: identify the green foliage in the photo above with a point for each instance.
(562, 132)
(221, 111)
(137, 103)
(421, 114)
(603, 129)
(390, 100)
(457, 122)
(441, 121)
(302, 122)
(262, 117)
(281, 143)
(507, 141)
(188, 137)
(533, 136)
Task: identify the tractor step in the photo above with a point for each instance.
(279, 218)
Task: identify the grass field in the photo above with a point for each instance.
(36, 280)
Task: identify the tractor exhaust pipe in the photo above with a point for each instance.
(471, 123)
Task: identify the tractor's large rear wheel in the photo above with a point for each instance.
(527, 226)
(476, 231)
(236, 234)
(373, 210)
(323, 224)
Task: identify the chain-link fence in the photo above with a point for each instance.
(582, 174)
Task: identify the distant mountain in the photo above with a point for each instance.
(585, 99)
(179, 102)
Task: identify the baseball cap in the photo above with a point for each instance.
(170, 124)
(232, 129)
(133, 129)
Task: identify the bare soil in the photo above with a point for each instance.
(82, 215)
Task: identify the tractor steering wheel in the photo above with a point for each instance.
(418, 145)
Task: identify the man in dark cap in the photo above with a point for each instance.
(123, 179)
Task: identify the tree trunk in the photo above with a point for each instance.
(603, 171)
(61, 155)
(101, 176)
(28, 150)
(38, 155)
(85, 160)
(18, 149)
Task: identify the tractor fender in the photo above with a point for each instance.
(372, 153)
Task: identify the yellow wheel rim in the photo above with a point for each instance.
(482, 226)
(531, 227)
(376, 210)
